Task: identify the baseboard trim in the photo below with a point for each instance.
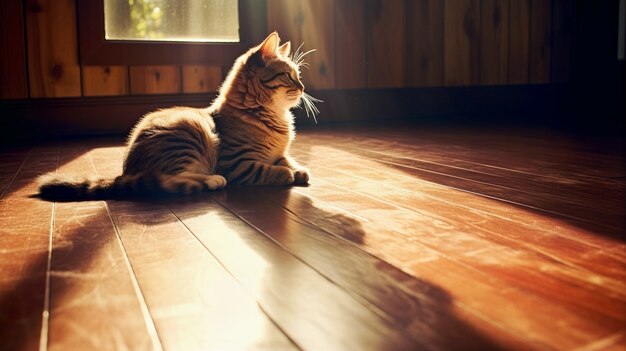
(501, 105)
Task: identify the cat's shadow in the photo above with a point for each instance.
(290, 205)
(334, 243)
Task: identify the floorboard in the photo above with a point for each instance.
(405, 239)
(24, 243)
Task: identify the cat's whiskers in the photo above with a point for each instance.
(298, 56)
(308, 103)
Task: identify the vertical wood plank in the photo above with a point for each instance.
(13, 80)
(424, 43)
(563, 18)
(519, 41)
(540, 40)
(201, 79)
(281, 18)
(494, 41)
(105, 80)
(461, 42)
(316, 31)
(52, 48)
(350, 59)
(309, 22)
(386, 44)
(155, 80)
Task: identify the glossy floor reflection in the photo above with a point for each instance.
(405, 239)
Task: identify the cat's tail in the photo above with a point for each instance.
(65, 188)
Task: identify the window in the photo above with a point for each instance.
(172, 20)
(156, 32)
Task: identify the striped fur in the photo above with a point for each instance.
(242, 138)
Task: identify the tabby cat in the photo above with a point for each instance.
(242, 138)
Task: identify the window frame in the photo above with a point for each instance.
(94, 49)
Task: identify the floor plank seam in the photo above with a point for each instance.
(149, 322)
(45, 315)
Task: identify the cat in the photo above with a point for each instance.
(243, 137)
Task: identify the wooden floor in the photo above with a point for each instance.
(406, 239)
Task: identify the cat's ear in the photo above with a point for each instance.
(269, 48)
(285, 49)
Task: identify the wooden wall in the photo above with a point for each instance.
(360, 44)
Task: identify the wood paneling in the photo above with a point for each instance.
(540, 41)
(364, 44)
(494, 42)
(563, 27)
(105, 80)
(350, 57)
(425, 28)
(462, 42)
(519, 41)
(309, 22)
(201, 79)
(155, 80)
(53, 68)
(13, 80)
(386, 43)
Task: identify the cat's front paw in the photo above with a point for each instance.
(301, 176)
(282, 176)
(215, 182)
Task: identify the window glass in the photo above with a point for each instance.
(172, 20)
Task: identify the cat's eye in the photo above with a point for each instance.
(172, 20)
